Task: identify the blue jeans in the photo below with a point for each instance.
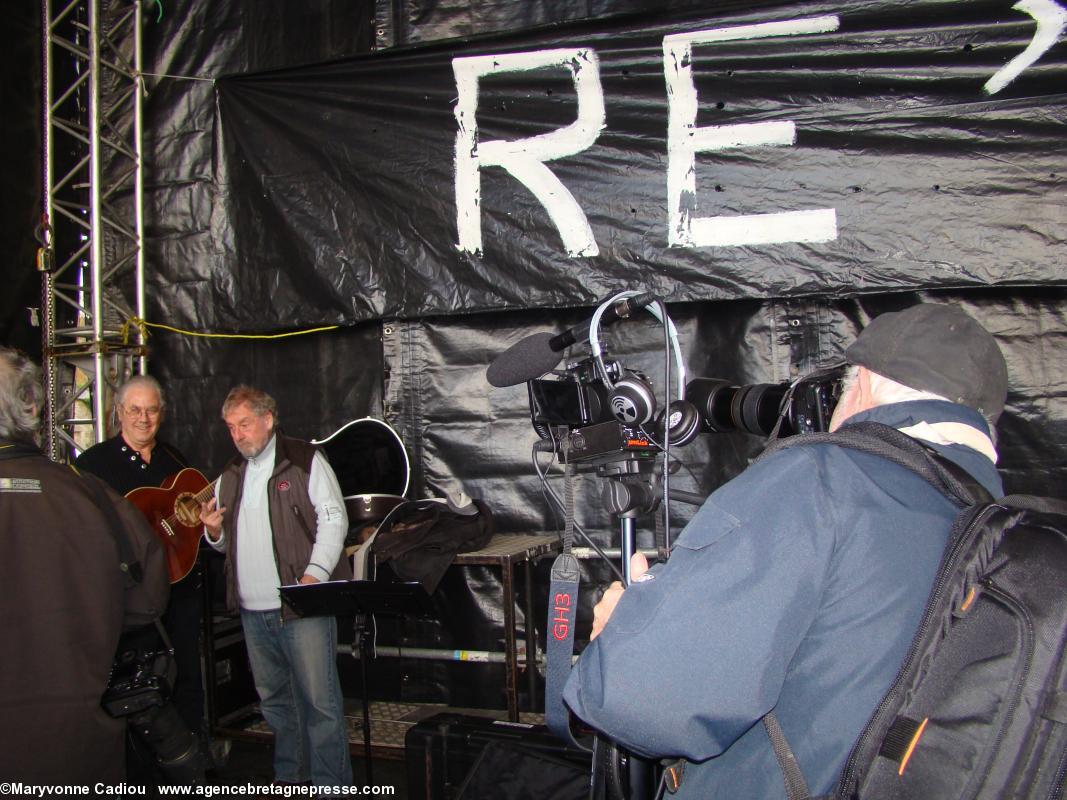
(295, 669)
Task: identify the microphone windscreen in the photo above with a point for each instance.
(525, 360)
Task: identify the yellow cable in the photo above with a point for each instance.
(144, 325)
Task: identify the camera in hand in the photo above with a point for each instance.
(139, 690)
(139, 680)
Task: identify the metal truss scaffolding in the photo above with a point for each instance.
(91, 258)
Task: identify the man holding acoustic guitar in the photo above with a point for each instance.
(136, 464)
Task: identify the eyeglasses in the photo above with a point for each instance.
(137, 411)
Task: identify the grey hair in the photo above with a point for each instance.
(21, 395)
(256, 399)
(886, 390)
(140, 381)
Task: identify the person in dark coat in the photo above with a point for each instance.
(64, 600)
(799, 585)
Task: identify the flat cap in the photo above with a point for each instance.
(936, 348)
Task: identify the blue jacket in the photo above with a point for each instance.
(796, 587)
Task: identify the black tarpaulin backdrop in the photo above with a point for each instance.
(341, 194)
(325, 195)
(462, 435)
(336, 203)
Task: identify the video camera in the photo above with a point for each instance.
(598, 431)
(602, 426)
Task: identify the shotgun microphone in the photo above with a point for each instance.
(533, 356)
(525, 360)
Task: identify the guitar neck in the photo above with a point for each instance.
(206, 493)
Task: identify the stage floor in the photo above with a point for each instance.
(250, 762)
(251, 754)
(389, 724)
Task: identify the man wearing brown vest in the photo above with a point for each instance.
(280, 518)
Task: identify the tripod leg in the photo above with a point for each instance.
(628, 544)
(639, 772)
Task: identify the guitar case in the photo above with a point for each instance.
(373, 470)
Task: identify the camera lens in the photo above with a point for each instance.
(713, 399)
(756, 407)
(752, 408)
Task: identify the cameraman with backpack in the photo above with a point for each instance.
(798, 586)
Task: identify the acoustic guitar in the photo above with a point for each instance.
(173, 511)
(367, 457)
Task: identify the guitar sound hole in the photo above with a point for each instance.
(187, 510)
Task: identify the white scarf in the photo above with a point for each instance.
(953, 433)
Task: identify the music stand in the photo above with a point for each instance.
(362, 599)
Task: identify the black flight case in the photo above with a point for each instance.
(453, 756)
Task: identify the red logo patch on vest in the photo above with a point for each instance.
(283, 486)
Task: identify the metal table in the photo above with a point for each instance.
(506, 551)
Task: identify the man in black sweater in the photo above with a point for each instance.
(136, 458)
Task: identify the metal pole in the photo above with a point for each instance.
(436, 654)
(138, 180)
(628, 542)
(48, 299)
(93, 130)
(96, 227)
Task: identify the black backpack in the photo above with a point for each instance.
(979, 707)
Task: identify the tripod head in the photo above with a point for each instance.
(628, 493)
